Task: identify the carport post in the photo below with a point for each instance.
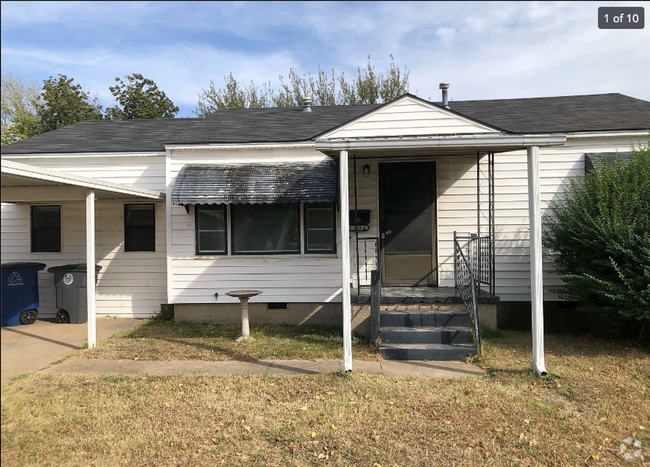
(90, 267)
(536, 281)
(345, 258)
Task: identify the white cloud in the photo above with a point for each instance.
(181, 71)
(485, 50)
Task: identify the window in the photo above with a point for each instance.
(46, 229)
(265, 228)
(320, 234)
(210, 229)
(139, 227)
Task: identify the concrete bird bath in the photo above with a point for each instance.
(243, 296)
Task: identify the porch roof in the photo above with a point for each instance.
(18, 181)
(433, 145)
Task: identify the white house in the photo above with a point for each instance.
(185, 210)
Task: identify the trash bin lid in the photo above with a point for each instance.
(22, 265)
(79, 267)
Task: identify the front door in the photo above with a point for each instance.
(407, 223)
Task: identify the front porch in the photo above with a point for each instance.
(457, 240)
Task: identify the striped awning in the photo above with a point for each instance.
(281, 182)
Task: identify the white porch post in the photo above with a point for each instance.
(536, 281)
(90, 268)
(345, 258)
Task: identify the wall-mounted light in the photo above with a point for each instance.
(366, 170)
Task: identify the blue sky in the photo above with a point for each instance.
(485, 50)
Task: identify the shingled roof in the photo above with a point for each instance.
(600, 112)
(568, 114)
(272, 125)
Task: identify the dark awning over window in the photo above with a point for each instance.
(283, 182)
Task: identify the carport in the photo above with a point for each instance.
(25, 184)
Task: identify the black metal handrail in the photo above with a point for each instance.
(467, 280)
(479, 252)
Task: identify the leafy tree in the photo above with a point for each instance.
(324, 89)
(18, 109)
(63, 103)
(394, 83)
(367, 87)
(140, 98)
(600, 235)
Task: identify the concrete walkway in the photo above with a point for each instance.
(31, 347)
(266, 367)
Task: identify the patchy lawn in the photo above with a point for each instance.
(597, 396)
(164, 340)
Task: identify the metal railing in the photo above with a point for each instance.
(366, 259)
(479, 252)
(472, 267)
(367, 267)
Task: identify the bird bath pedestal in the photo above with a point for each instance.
(243, 296)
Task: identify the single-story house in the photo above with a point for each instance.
(442, 200)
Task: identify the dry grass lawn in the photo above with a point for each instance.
(163, 340)
(598, 396)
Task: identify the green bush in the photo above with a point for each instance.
(599, 235)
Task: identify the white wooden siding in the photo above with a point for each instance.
(129, 284)
(314, 278)
(409, 117)
(283, 278)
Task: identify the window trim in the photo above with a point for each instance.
(153, 205)
(197, 244)
(266, 253)
(31, 228)
(230, 232)
(306, 231)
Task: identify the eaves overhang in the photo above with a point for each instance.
(438, 144)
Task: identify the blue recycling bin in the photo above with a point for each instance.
(20, 293)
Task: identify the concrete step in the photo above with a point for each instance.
(436, 352)
(415, 307)
(426, 335)
(422, 318)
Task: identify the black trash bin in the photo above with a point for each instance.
(20, 293)
(71, 296)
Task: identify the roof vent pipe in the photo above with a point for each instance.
(445, 99)
(307, 106)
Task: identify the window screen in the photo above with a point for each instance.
(46, 229)
(139, 227)
(320, 234)
(210, 229)
(265, 228)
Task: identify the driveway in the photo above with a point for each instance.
(31, 347)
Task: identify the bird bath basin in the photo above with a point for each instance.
(243, 296)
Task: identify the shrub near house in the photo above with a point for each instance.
(600, 233)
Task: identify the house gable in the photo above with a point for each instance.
(408, 116)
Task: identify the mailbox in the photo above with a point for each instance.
(360, 221)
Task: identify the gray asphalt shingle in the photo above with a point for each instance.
(601, 112)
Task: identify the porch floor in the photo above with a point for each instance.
(417, 295)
